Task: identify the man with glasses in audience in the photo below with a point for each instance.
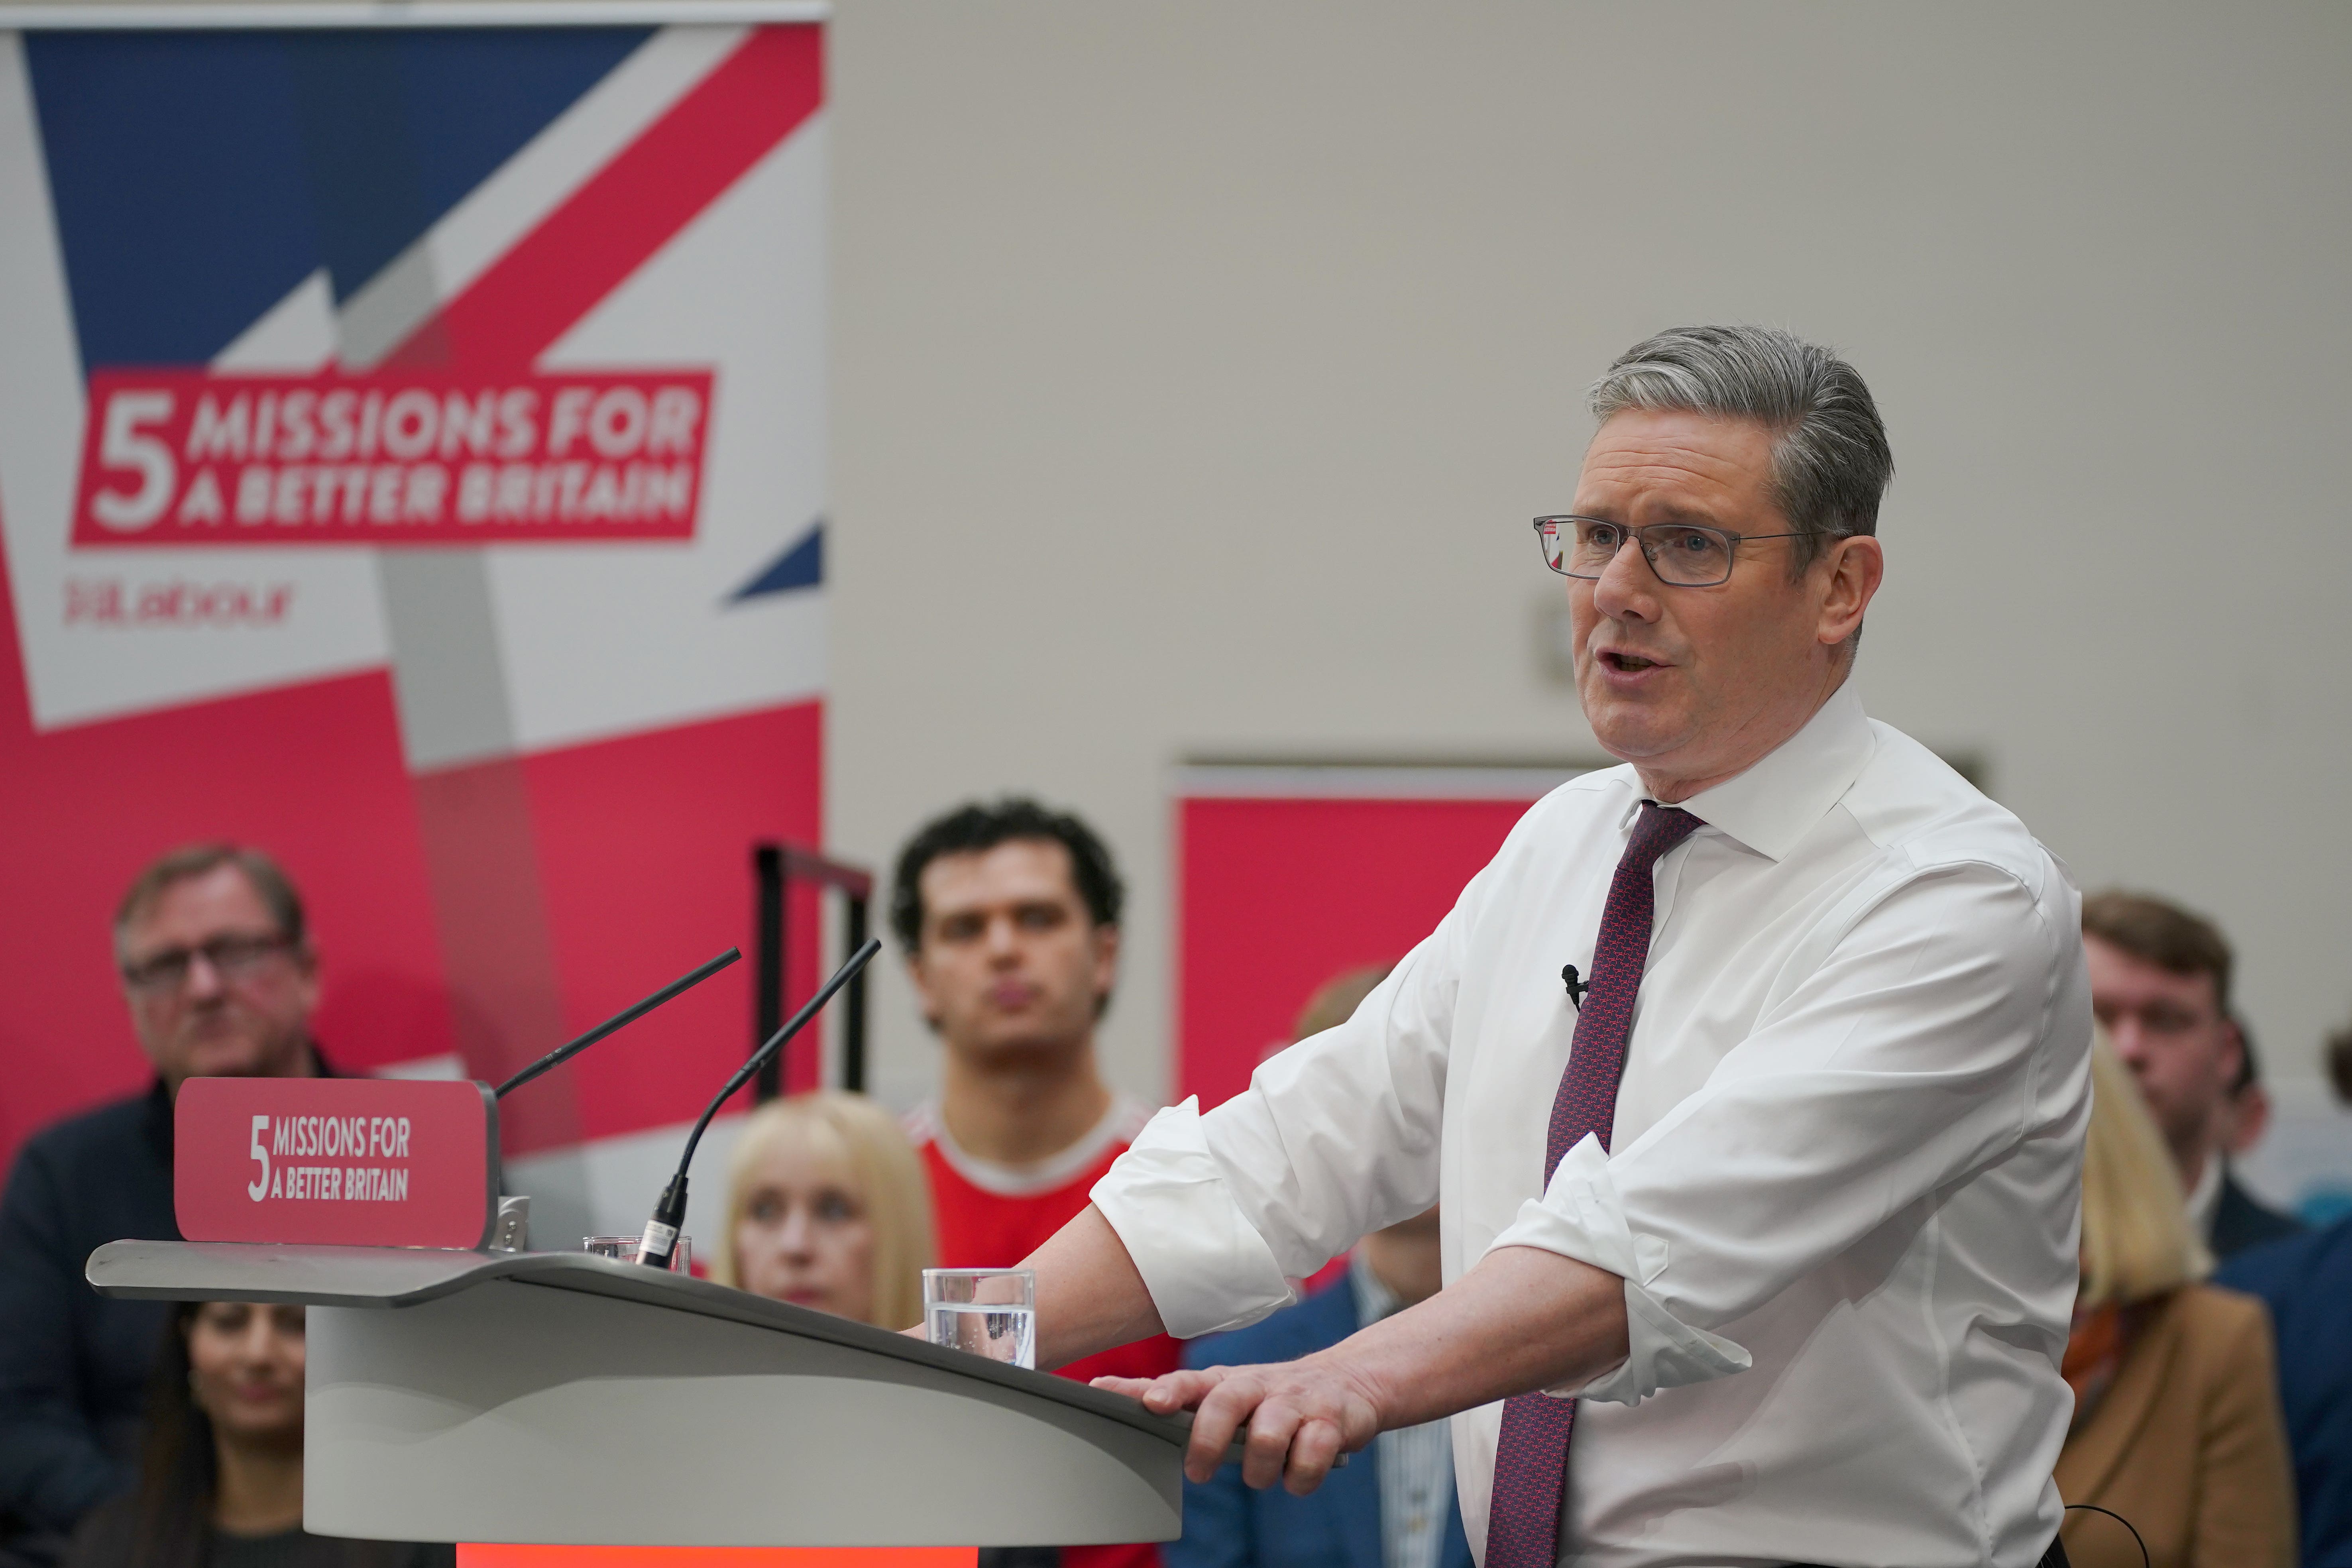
(221, 980)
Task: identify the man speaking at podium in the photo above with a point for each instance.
(1752, 1077)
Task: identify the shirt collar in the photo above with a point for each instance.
(1776, 802)
(1004, 1180)
(2205, 1199)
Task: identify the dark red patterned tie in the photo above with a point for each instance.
(1531, 1458)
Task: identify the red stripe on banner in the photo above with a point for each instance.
(506, 1006)
(630, 209)
(642, 845)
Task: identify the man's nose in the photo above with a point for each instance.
(204, 979)
(1627, 589)
(1003, 939)
(2130, 1041)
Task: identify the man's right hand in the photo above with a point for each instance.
(1301, 1415)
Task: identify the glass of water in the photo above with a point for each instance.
(987, 1311)
(624, 1249)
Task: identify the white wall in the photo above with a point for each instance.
(1200, 363)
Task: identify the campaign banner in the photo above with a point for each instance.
(335, 1162)
(194, 458)
(414, 465)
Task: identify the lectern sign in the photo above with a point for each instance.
(337, 1162)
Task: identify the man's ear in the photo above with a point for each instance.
(1106, 940)
(2233, 1048)
(1855, 566)
(929, 1009)
(2248, 1118)
(307, 957)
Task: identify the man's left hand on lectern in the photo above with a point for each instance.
(1522, 1319)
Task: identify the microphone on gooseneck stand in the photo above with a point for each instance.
(629, 1014)
(669, 1214)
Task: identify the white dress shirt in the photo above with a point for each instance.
(1846, 1178)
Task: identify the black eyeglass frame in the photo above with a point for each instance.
(1731, 542)
(234, 957)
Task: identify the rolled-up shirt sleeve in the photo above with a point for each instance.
(1206, 1266)
(1334, 1137)
(1581, 1216)
(1914, 1053)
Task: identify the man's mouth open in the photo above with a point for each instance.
(1630, 663)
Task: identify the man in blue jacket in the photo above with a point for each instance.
(1390, 1507)
(2307, 1281)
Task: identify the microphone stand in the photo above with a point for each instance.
(660, 1240)
(629, 1014)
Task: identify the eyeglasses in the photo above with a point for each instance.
(232, 958)
(1682, 554)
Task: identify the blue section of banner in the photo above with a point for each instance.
(179, 187)
(802, 566)
(408, 122)
(199, 176)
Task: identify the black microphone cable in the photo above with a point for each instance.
(660, 1240)
(2119, 1518)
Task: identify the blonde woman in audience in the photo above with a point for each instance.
(826, 1206)
(2177, 1423)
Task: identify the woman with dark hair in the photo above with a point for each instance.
(220, 1483)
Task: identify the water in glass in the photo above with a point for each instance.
(1006, 1333)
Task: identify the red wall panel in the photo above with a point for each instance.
(1279, 895)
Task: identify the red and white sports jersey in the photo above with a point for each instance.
(991, 1216)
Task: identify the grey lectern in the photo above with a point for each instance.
(561, 1398)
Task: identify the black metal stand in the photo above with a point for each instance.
(774, 868)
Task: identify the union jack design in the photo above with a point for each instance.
(412, 462)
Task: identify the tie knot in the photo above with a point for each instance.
(1660, 829)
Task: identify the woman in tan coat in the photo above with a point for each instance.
(2177, 1423)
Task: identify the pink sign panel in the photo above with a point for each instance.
(336, 1162)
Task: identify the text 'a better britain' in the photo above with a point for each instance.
(289, 1137)
(183, 457)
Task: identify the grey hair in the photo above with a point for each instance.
(268, 880)
(1830, 461)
